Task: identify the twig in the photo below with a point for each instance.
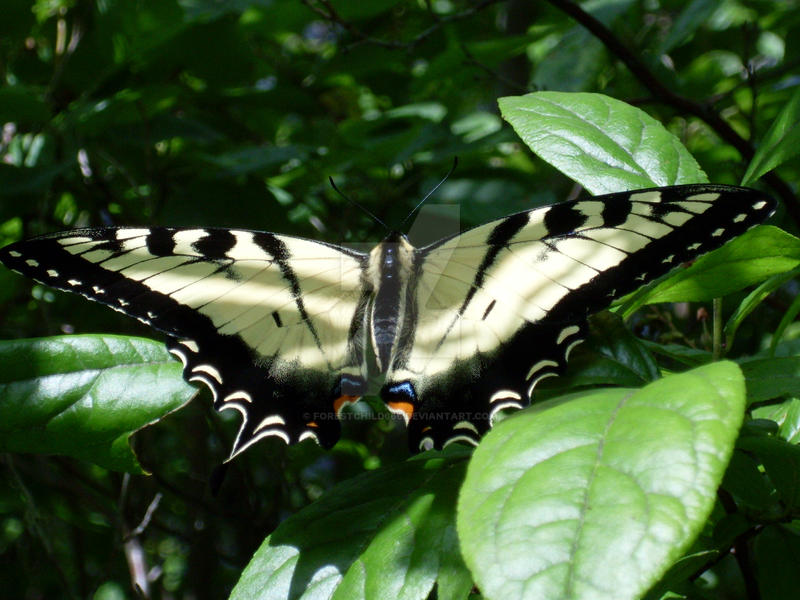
(511, 84)
(325, 9)
(148, 515)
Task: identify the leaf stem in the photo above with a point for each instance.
(716, 320)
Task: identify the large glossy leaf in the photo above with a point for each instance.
(83, 396)
(385, 534)
(781, 142)
(604, 144)
(596, 495)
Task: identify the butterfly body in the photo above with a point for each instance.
(284, 329)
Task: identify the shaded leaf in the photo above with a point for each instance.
(754, 299)
(780, 143)
(769, 378)
(776, 548)
(781, 462)
(745, 481)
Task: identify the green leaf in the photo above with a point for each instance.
(682, 355)
(84, 396)
(611, 355)
(615, 481)
(23, 106)
(781, 142)
(746, 482)
(777, 551)
(786, 320)
(749, 259)
(769, 378)
(754, 300)
(786, 414)
(388, 533)
(694, 15)
(602, 143)
(781, 462)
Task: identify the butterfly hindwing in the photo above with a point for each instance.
(273, 325)
(500, 307)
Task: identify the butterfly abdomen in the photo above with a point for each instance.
(390, 268)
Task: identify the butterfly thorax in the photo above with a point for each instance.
(390, 267)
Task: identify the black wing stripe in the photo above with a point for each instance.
(278, 250)
(497, 240)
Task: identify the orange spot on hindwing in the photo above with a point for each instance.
(402, 408)
(341, 401)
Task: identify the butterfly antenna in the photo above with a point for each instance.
(351, 201)
(429, 194)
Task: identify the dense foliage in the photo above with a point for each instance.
(201, 112)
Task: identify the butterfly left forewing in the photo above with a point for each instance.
(272, 324)
(501, 306)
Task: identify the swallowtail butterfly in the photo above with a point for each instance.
(282, 329)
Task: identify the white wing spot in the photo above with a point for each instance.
(241, 410)
(98, 290)
(466, 425)
(739, 218)
(202, 378)
(123, 302)
(210, 370)
(539, 366)
(502, 406)
(570, 348)
(759, 205)
(460, 438)
(308, 434)
(669, 259)
(191, 345)
(718, 232)
(32, 263)
(567, 332)
(537, 380)
(174, 351)
(269, 421)
(52, 272)
(124, 234)
(238, 395)
(695, 246)
(74, 282)
(704, 197)
(15, 254)
(504, 395)
(651, 196)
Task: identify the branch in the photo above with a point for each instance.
(681, 103)
(325, 9)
